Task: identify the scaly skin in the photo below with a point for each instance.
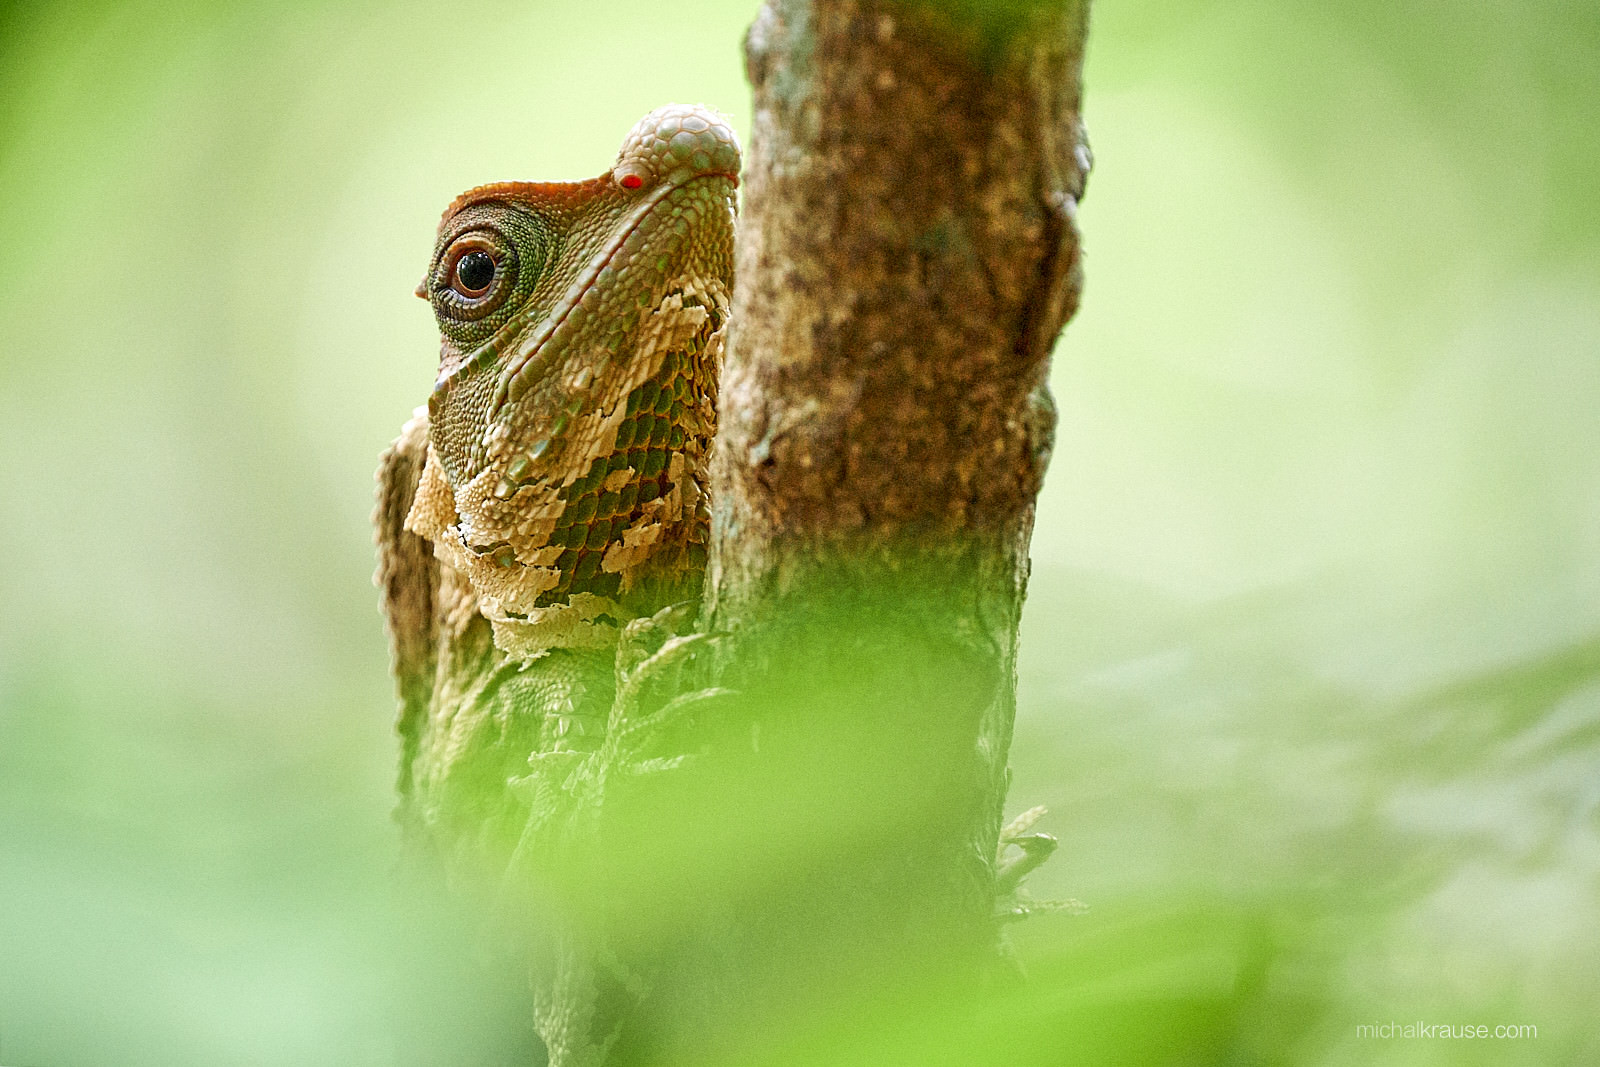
(554, 489)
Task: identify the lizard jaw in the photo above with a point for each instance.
(521, 369)
(516, 378)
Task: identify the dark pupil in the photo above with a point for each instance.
(475, 271)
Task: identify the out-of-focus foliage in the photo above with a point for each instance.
(1312, 657)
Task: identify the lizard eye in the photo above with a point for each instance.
(474, 276)
(474, 273)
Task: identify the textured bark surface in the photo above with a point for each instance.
(906, 256)
(905, 259)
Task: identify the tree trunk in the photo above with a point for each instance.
(906, 257)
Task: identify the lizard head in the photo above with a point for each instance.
(581, 329)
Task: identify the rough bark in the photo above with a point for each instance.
(906, 256)
(905, 259)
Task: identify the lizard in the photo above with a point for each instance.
(553, 489)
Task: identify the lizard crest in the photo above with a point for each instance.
(569, 428)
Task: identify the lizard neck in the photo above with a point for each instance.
(565, 555)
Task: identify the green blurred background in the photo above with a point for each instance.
(1312, 655)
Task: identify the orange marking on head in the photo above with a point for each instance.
(543, 194)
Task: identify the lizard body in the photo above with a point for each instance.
(553, 488)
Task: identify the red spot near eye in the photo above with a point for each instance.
(631, 181)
